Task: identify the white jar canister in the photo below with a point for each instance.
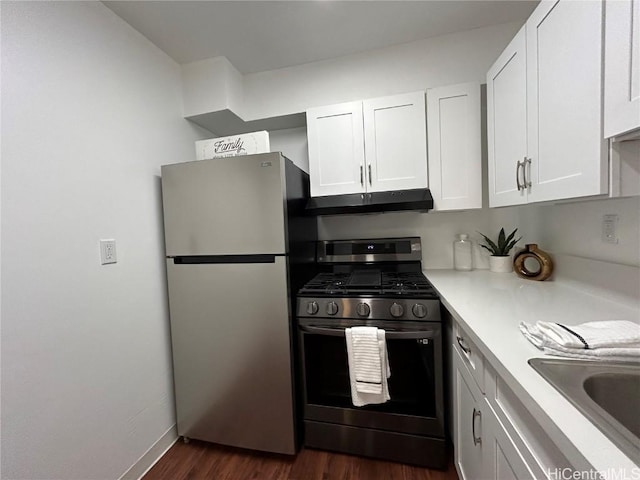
(462, 256)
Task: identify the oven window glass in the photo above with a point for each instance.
(411, 385)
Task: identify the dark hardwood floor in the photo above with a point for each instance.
(200, 460)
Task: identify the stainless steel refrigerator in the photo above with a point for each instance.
(238, 246)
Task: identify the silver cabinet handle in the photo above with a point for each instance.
(476, 440)
(361, 176)
(518, 165)
(464, 348)
(370, 175)
(527, 161)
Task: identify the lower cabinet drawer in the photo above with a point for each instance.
(471, 356)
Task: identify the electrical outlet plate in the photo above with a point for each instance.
(609, 227)
(108, 251)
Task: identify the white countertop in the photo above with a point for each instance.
(490, 307)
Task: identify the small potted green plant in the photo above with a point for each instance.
(500, 260)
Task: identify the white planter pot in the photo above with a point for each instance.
(500, 264)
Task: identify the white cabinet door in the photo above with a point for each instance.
(455, 158)
(503, 460)
(495, 437)
(336, 149)
(468, 423)
(564, 74)
(622, 67)
(507, 123)
(395, 139)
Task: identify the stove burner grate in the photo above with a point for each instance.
(369, 282)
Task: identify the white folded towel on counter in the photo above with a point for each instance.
(368, 365)
(614, 340)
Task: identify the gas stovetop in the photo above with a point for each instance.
(369, 283)
(376, 279)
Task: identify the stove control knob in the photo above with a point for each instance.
(312, 308)
(419, 310)
(363, 309)
(396, 310)
(332, 308)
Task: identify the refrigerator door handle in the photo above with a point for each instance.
(224, 259)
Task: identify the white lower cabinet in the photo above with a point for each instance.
(495, 437)
(503, 460)
(468, 423)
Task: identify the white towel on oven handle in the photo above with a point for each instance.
(368, 365)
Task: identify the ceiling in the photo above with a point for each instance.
(265, 35)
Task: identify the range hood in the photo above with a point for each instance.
(419, 199)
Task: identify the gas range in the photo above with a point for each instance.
(378, 279)
(374, 283)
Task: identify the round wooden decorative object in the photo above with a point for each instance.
(533, 255)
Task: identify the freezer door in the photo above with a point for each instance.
(225, 206)
(231, 354)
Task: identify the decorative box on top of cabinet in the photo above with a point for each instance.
(544, 108)
(374, 145)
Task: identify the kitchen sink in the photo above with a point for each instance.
(606, 393)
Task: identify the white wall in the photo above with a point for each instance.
(90, 111)
(211, 85)
(575, 228)
(1, 150)
(437, 61)
(292, 142)
(436, 230)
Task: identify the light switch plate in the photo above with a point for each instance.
(108, 251)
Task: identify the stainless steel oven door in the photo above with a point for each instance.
(415, 385)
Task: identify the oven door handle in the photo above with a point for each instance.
(390, 334)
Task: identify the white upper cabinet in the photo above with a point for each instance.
(455, 155)
(565, 154)
(507, 124)
(336, 149)
(622, 67)
(395, 142)
(564, 95)
(371, 146)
